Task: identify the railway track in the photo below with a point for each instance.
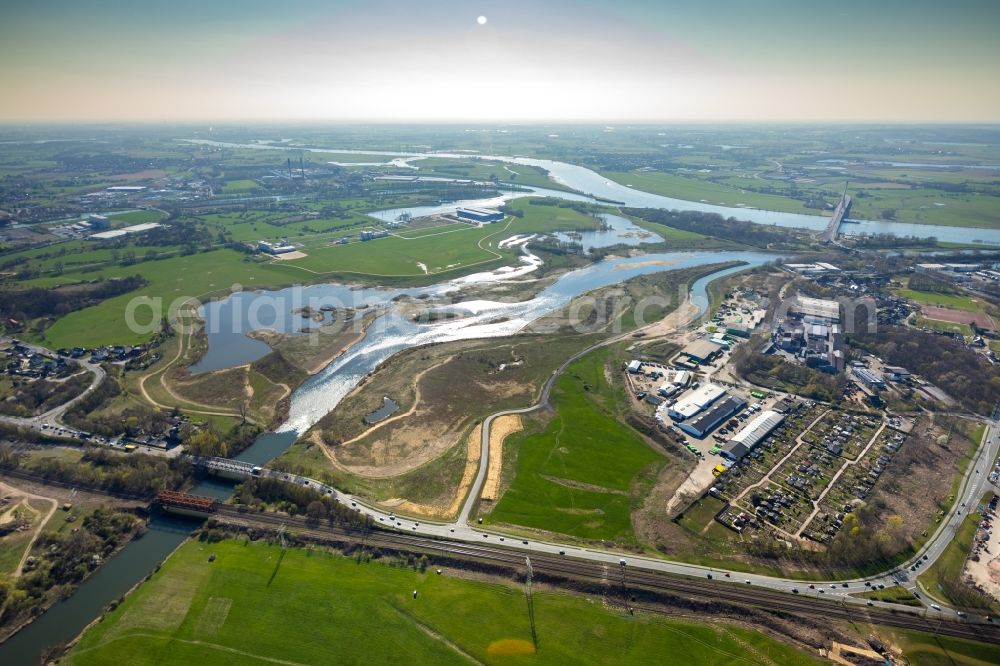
(566, 567)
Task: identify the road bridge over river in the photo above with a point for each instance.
(839, 213)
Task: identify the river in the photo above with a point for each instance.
(228, 321)
(594, 184)
(321, 393)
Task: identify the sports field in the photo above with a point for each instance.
(255, 604)
(980, 319)
(581, 472)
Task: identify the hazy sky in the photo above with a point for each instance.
(430, 60)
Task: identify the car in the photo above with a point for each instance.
(960, 613)
(709, 576)
(501, 538)
(868, 583)
(844, 585)
(925, 558)
(727, 574)
(812, 586)
(881, 586)
(870, 603)
(822, 591)
(452, 529)
(486, 536)
(795, 590)
(525, 542)
(562, 552)
(622, 562)
(747, 581)
(935, 607)
(833, 586)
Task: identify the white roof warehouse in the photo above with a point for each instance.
(751, 434)
(695, 401)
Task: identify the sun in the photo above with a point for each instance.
(481, 20)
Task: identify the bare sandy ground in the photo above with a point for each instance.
(986, 572)
(676, 322)
(640, 264)
(288, 256)
(473, 451)
(500, 428)
(700, 478)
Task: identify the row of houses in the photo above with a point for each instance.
(26, 362)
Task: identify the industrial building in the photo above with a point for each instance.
(739, 330)
(98, 222)
(280, 247)
(896, 373)
(816, 307)
(479, 215)
(869, 378)
(818, 268)
(752, 434)
(701, 351)
(710, 418)
(695, 401)
(372, 235)
(635, 367)
(124, 231)
(674, 382)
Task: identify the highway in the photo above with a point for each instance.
(577, 565)
(973, 486)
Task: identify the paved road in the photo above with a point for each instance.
(50, 422)
(973, 486)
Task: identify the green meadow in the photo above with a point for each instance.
(450, 249)
(257, 604)
(581, 472)
(170, 280)
(691, 188)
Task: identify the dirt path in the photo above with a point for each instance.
(471, 466)
(392, 419)
(502, 427)
(41, 523)
(209, 410)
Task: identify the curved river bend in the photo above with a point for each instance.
(393, 332)
(594, 184)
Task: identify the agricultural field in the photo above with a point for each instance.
(259, 602)
(691, 188)
(581, 472)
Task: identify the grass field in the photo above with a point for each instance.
(922, 649)
(256, 604)
(580, 473)
(179, 277)
(945, 326)
(910, 200)
(449, 248)
(944, 300)
(690, 188)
